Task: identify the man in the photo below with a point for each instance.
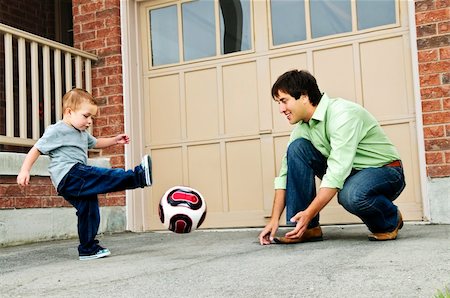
(341, 143)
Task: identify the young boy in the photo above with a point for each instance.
(66, 143)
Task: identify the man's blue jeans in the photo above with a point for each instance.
(80, 187)
(366, 193)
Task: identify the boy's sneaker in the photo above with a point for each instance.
(103, 252)
(146, 164)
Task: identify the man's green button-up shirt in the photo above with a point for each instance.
(347, 135)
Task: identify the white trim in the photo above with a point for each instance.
(132, 95)
(418, 108)
(124, 7)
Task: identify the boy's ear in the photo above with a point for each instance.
(67, 111)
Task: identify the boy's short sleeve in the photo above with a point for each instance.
(48, 141)
(92, 141)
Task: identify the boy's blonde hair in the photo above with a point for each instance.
(75, 97)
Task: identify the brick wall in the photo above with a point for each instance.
(96, 30)
(39, 194)
(433, 42)
(96, 27)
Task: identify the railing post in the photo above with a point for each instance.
(35, 90)
(22, 89)
(9, 95)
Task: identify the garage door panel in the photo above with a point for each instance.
(167, 172)
(164, 109)
(240, 98)
(205, 174)
(278, 66)
(245, 189)
(202, 112)
(280, 144)
(339, 80)
(403, 138)
(384, 81)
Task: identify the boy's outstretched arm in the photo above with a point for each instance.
(106, 142)
(24, 175)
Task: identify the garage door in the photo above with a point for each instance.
(210, 122)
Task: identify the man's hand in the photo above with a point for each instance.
(302, 219)
(266, 236)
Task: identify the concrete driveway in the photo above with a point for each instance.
(231, 263)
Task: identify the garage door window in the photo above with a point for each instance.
(203, 34)
(296, 21)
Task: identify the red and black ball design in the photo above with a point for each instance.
(182, 209)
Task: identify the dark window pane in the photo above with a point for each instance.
(235, 34)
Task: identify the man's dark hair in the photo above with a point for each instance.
(297, 83)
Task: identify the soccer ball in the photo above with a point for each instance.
(182, 209)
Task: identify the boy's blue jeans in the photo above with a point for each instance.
(366, 193)
(80, 187)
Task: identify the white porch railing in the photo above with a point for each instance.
(35, 79)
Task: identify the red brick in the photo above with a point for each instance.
(432, 42)
(442, 3)
(117, 161)
(424, 5)
(444, 53)
(113, 60)
(91, 6)
(92, 26)
(100, 121)
(12, 190)
(108, 32)
(111, 110)
(434, 158)
(444, 27)
(115, 80)
(427, 55)
(438, 171)
(435, 92)
(112, 90)
(426, 30)
(433, 132)
(115, 120)
(53, 202)
(432, 16)
(110, 70)
(446, 103)
(108, 51)
(430, 80)
(107, 13)
(436, 118)
(111, 130)
(115, 100)
(113, 150)
(113, 41)
(431, 105)
(39, 190)
(6, 203)
(447, 157)
(437, 144)
(93, 45)
(28, 202)
(434, 67)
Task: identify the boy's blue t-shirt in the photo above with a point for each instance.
(66, 146)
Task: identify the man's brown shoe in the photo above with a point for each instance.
(313, 234)
(388, 235)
